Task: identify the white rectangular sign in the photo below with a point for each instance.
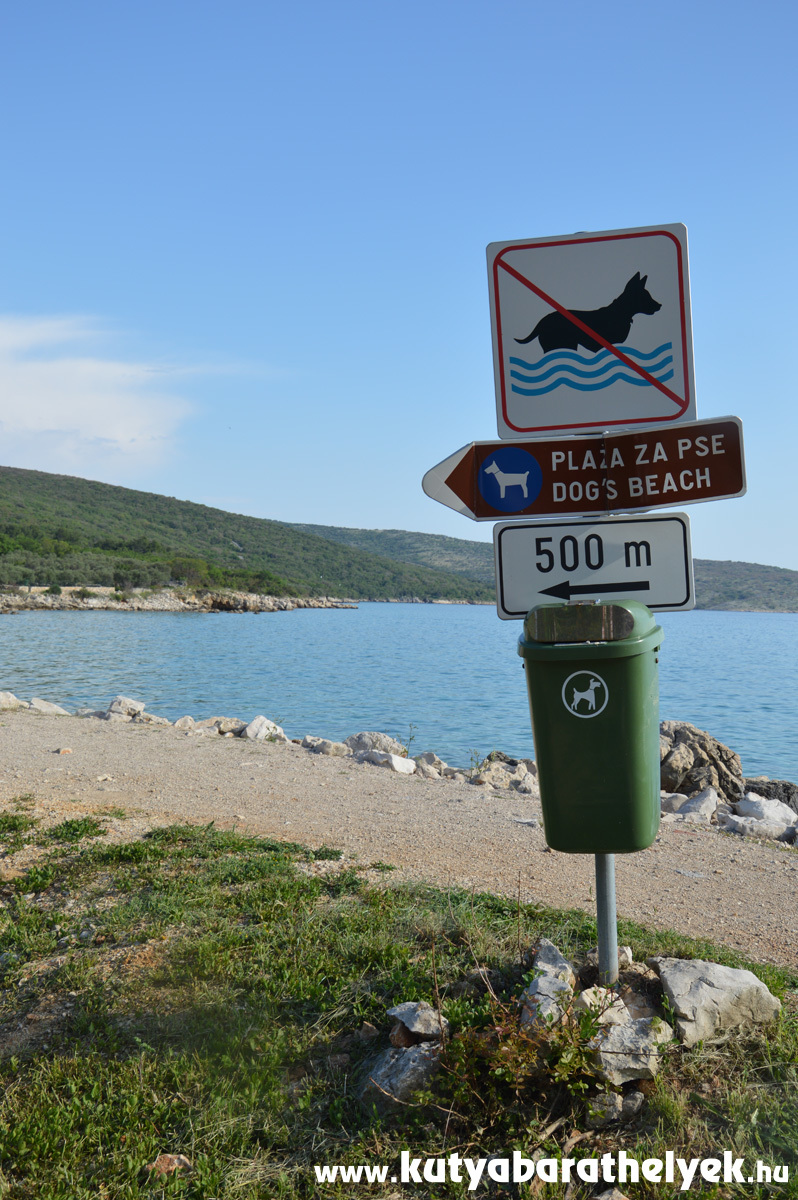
(592, 331)
(616, 558)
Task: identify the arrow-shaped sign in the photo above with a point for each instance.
(593, 474)
(565, 590)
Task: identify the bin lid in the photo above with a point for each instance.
(606, 630)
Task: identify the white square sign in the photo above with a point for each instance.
(592, 331)
(636, 558)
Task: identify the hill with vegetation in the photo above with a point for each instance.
(473, 560)
(745, 587)
(61, 530)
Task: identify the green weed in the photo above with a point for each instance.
(74, 830)
(13, 827)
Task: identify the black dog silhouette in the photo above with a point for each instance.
(613, 322)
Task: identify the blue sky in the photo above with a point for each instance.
(244, 244)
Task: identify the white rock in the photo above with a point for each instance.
(426, 770)
(402, 766)
(431, 759)
(222, 725)
(762, 809)
(608, 1008)
(145, 718)
(397, 1074)
(625, 957)
(325, 746)
(671, 802)
(123, 704)
(750, 827)
(361, 743)
(549, 961)
(9, 701)
(527, 785)
(495, 774)
(453, 773)
(262, 729)
(638, 1005)
(709, 998)
(44, 706)
(419, 1017)
(703, 806)
(630, 1051)
(545, 1000)
(184, 723)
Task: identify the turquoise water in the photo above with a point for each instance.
(448, 671)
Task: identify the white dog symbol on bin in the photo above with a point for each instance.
(579, 694)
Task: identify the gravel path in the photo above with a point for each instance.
(736, 891)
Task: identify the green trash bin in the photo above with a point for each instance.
(592, 678)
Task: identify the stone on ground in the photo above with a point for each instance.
(630, 1051)
(44, 706)
(691, 760)
(360, 743)
(709, 999)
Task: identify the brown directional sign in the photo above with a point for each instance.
(611, 472)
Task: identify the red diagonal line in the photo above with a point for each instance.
(681, 401)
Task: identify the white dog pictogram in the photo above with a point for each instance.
(504, 480)
(589, 694)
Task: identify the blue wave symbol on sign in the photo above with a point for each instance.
(588, 372)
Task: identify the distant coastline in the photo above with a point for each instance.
(181, 599)
(161, 600)
(105, 599)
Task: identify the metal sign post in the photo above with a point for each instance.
(606, 920)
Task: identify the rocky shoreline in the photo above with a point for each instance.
(164, 600)
(181, 600)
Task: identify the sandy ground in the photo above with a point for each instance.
(736, 891)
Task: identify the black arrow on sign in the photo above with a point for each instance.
(564, 591)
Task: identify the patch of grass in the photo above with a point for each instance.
(194, 992)
(13, 826)
(74, 830)
(325, 854)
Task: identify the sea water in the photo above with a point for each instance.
(437, 676)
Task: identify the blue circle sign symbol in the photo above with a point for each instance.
(510, 479)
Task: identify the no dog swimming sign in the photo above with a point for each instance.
(592, 331)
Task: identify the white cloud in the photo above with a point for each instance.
(80, 413)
